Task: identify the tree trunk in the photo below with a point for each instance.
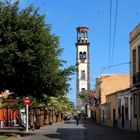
(42, 117)
(59, 116)
(50, 117)
(46, 117)
(31, 117)
(38, 122)
(54, 116)
(62, 116)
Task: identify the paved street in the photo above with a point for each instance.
(94, 131)
(67, 130)
(86, 130)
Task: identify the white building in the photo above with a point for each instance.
(124, 109)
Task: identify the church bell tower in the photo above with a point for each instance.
(82, 62)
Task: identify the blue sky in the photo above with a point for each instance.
(65, 15)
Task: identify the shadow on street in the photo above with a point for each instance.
(95, 131)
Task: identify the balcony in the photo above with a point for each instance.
(136, 79)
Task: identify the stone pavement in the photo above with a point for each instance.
(94, 131)
(68, 130)
(15, 130)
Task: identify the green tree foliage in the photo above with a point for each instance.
(72, 105)
(59, 103)
(29, 54)
(85, 96)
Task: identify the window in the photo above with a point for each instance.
(82, 75)
(139, 58)
(108, 111)
(126, 108)
(84, 55)
(80, 55)
(119, 108)
(83, 89)
(134, 61)
(139, 104)
(135, 105)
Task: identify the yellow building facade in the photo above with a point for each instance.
(107, 84)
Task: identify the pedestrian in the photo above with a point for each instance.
(77, 119)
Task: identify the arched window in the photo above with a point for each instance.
(82, 75)
(80, 55)
(83, 89)
(84, 55)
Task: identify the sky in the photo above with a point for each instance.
(110, 23)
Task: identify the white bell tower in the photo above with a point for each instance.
(82, 60)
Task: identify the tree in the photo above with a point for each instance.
(60, 103)
(29, 54)
(72, 105)
(85, 96)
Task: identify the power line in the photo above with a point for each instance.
(114, 36)
(110, 66)
(110, 24)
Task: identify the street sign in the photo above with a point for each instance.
(27, 101)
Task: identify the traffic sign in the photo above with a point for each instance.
(27, 101)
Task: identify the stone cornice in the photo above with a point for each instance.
(135, 33)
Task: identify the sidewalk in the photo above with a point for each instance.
(15, 130)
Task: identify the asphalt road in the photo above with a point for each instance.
(86, 130)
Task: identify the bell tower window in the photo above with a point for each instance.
(80, 55)
(82, 75)
(84, 55)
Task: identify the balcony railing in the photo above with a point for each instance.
(136, 78)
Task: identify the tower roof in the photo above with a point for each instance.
(82, 29)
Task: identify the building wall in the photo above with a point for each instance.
(124, 96)
(113, 83)
(135, 74)
(134, 45)
(107, 84)
(111, 109)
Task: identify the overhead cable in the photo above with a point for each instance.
(114, 36)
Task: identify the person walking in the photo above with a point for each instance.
(77, 119)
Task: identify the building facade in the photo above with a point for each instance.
(124, 107)
(135, 76)
(82, 62)
(118, 109)
(108, 84)
(111, 109)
